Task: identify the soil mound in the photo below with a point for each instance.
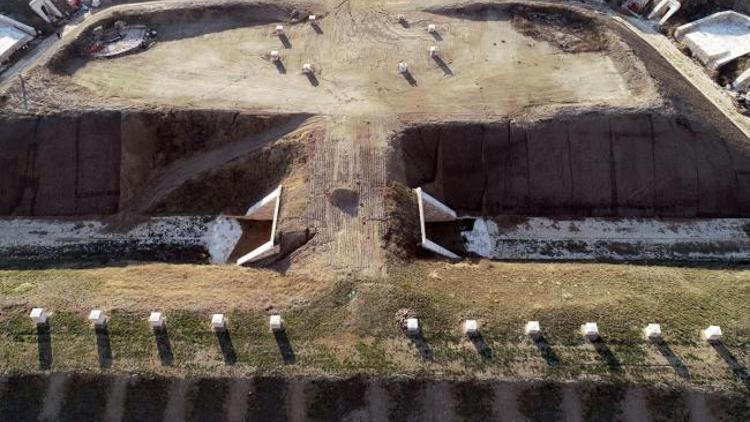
(570, 32)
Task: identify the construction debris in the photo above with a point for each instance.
(14, 36)
(120, 39)
(717, 39)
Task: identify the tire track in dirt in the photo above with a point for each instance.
(349, 158)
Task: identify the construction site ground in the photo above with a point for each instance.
(204, 123)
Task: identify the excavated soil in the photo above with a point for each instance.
(597, 164)
(571, 33)
(175, 162)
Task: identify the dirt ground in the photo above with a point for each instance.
(342, 292)
(486, 65)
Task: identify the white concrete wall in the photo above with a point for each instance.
(717, 39)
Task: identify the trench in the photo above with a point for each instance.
(593, 165)
(184, 162)
(89, 397)
(622, 186)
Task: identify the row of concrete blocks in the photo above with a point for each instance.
(157, 320)
(589, 330)
(307, 68)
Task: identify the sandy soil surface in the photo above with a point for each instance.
(487, 68)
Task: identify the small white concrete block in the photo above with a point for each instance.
(218, 322)
(307, 68)
(312, 19)
(412, 326)
(274, 55)
(157, 320)
(712, 333)
(532, 328)
(401, 18)
(403, 67)
(471, 327)
(276, 323)
(39, 316)
(279, 29)
(97, 318)
(434, 51)
(590, 330)
(431, 28)
(652, 332)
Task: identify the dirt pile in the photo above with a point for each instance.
(571, 32)
(598, 164)
(402, 235)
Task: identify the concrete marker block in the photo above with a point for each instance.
(403, 67)
(712, 334)
(97, 318)
(218, 322)
(38, 316)
(590, 330)
(471, 327)
(412, 326)
(157, 321)
(532, 329)
(431, 28)
(652, 332)
(276, 323)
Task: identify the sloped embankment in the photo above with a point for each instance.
(597, 164)
(98, 163)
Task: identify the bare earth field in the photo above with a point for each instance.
(492, 68)
(532, 109)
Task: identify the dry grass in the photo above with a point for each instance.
(349, 327)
